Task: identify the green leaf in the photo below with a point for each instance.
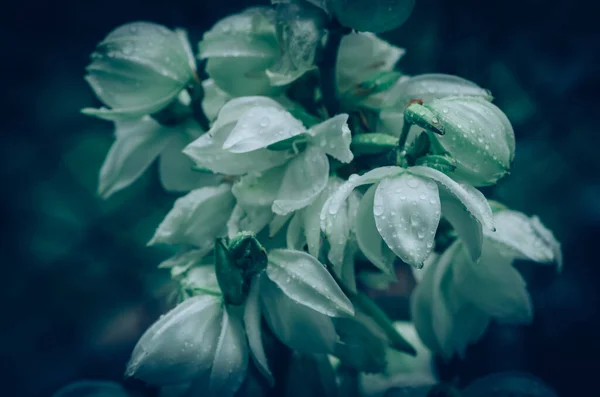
(305, 280)
(373, 143)
(407, 212)
(310, 375)
(180, 344)
(362, 344)
(371, 16)
(296, 325)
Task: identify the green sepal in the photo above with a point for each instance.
(378, 83)
(205, 170)
(373, 143)
(421, 116)
(440, 162)
(229, 277)
(419, 147)
(497, 206)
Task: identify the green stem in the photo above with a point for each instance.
(404, 135)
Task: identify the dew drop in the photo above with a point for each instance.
(378, 210)
(264, 122)
(421, 234)
(445, 110)
(412, 182)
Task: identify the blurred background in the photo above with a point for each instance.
(80, 286)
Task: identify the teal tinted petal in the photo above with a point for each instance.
(92, 388)
(333, 137)
(201, 279)
(180, 345)
(407, 212)
(305, 280)
(296, 325)
(259, 189)
(214, 99)
(295, 236)
(304, 179)
(197, 218)
(183, 261)
(368, 238)
(253, 325)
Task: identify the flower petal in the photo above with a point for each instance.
(296, 325)
(176, 169)
(305, 280)
(180, 344)
(407, 213)
(335, 201)
(493, 285)
(368, 238)
(295, 237)
(197, 218)
(260, 127)
(333, 137)
(304, 179)
(472, 199)
(138, 143)
(202, 279)
(253, 324)
(258, 189)
(183, 261)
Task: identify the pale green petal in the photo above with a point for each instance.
(260, 127)
(478, 136)
(242, 76)
(176, 169)
(295, 236)
(304, 179)
(138, 143)
(259, 189)
(361, 56)
(348, 272)
(428, 87)
(407, 212)
(233, 110)
(277, 223)
(522, 237)
(202, 279)
(335, 201)
(214, 99)
(493, 285)
(249, 219)
(296, 325)
(368, 238)
(180, 344)
(474, 202)
(253, 325)
(466, 226)
(207, 152)
(306, 281)
(231, 357)
(333, 137)
(197, 218)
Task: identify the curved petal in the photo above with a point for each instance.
(407, 213)
(305, 280)
(295, 238)
(335, 201)
(333, 137)
(258, 189)
(368, 238)
(138, 143)
(296, 325)
(253, 324)
(304, 179)
(472, 199)
(493, 285)
(260, 127)
(176, 169)
(467, 227)
(180, 345)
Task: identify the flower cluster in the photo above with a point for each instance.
(292, 210)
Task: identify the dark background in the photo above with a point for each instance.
(79, 286)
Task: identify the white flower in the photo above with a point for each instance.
(138, 143)
(138, 69)
(399, 214)
(477, 135)
(197, 218)
(365, 58)
(424, 87)
(239, 49)
(457, 297)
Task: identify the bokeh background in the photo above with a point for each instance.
(79, 286)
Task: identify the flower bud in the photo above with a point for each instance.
(372, 15)
(138, 69)
(239, 49)
(477, 134)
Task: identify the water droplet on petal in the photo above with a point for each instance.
(378, 210)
